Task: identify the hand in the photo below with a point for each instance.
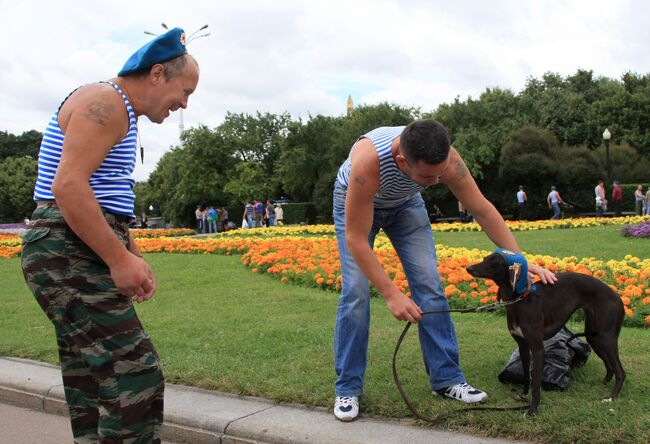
(547, 277)
(133, 277)
(152, 277)
(403, 307)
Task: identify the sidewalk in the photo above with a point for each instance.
(200, 416)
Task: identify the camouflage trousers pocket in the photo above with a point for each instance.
(35, 234)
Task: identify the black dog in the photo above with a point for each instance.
(540, 315)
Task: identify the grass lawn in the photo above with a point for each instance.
(603, 242)
(217, 325)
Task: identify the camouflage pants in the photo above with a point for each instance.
(111, 372)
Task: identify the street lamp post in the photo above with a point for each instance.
(607, 135)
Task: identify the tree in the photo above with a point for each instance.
(526, 159)
(17, 179)
(478, 128)
(27, 144)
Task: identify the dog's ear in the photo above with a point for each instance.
(497, 259)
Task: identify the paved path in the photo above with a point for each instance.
(200, 416)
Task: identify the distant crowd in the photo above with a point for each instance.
(212, 220)
(215, 220)
(257, 214)
(554, 201)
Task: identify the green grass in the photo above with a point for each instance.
(217, 325)
(603, 242)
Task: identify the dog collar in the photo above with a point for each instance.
(518, 272)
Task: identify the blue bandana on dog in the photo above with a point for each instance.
(518, 267)
(161, 49)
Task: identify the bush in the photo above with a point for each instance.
(296, 213)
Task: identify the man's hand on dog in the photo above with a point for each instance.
(403, 307)
(546, 276)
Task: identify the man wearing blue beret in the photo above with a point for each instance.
(78, 257)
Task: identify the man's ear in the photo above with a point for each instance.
(401, 160)
(157, 73)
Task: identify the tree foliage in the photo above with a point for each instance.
(17, 179)
(26, 144)
(549, 133)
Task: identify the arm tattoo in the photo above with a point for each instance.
(461, 169)
(360, 180)
(99, 111)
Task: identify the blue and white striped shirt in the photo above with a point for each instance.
(111, 182)
(395, 187)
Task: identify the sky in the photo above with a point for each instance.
(306, 57)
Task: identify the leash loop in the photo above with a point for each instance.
(442, 416)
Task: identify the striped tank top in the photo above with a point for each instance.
(395, 187)
(111, 182)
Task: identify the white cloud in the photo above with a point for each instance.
(306, 57)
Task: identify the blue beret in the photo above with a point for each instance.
(164, 47)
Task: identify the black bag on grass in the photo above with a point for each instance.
(560, 357)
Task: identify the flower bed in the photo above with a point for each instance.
(641, 230)
(167, 232)
(315, 263)
(445, 227)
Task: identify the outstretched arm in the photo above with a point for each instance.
(462, 185)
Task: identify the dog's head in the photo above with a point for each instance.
(509, 270)
(492, 267)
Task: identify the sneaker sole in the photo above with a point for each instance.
(346, 419)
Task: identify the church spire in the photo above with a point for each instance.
(350, 105)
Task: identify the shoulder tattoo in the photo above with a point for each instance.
(360, 180)
(99, 110)
(461, 169)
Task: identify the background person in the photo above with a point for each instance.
(522, 201)
(213, 217)
(378, 187)
(639, 200)
(249, 214)
(617, 198)
(554, 200)
(269, 212)
(198, 214)
(601, 200)
(79, 259)
(279, 214)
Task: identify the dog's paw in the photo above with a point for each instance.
(530, 412)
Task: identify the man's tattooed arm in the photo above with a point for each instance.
(99, 111)
(461, 169)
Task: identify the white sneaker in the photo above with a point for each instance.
(462, 392)
(346, 408)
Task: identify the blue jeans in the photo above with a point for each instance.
(409, 230)
(557, 212)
